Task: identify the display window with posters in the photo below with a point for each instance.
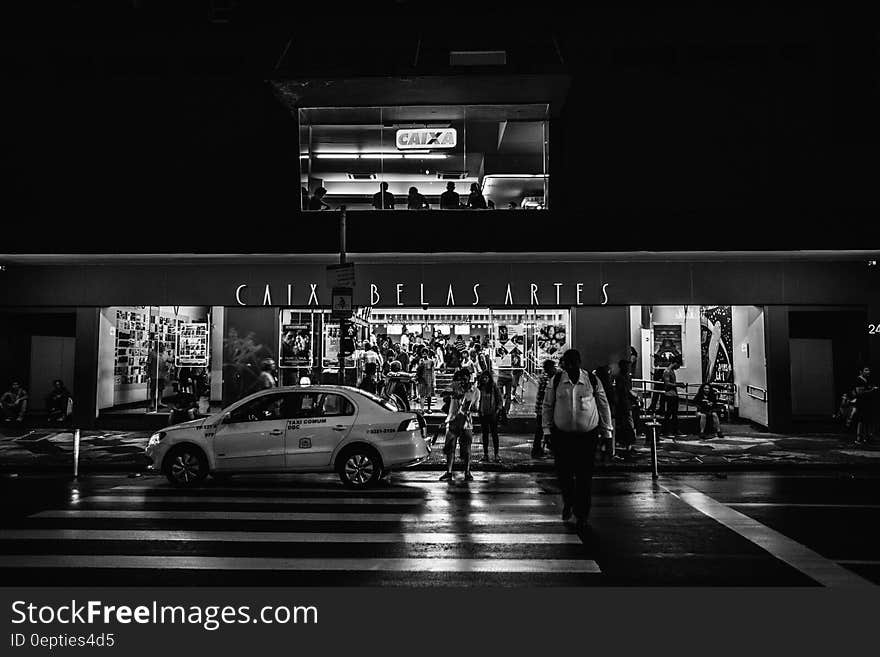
(723, 346)
(157, 359)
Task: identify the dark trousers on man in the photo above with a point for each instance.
(489, 424)
(626, 427)
(574, 454)
(538, 444)
(670, 415)
(506, 386)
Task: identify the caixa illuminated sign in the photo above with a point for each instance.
(426, 138)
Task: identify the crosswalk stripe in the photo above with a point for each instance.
(422, 565)
(345, 501)
(414, 489)
(451, 538)
(798, 556)
(857, 562)
(773, 505)
(479, 517)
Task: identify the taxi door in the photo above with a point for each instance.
(251, 437)
(325, 420)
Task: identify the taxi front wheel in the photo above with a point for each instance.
(359, 467)
(186, 466)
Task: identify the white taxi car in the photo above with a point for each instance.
(294, 429)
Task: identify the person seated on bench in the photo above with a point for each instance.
(706, 401)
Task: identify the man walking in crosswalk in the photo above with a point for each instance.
(576, 415)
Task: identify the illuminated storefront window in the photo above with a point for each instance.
(154, 358)
(425, 157)
(720, 345)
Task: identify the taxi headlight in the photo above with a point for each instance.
(155, 438)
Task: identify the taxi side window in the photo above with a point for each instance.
(299, 405)
(336, 406)
(262, 409)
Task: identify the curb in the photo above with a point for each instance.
(514, 468)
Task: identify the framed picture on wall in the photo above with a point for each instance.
(668, 347)
(296, 345)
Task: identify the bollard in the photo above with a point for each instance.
(76, 454)
(655, 472)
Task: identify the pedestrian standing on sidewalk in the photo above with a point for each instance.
(481, 359)
(575, 414)
(864, 395)
(626, 401)
(425, 379)
(468, 364)
(603, 374)
(670, 401)
(505, 382)
(396, 385)
(541, 441)
(372, 363)
(491, 404)
(459, 425)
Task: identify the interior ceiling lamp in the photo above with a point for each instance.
(380, 155)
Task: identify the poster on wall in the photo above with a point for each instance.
(667, 345)
(516, 344)
(192, 345)
(716, 343)
(296, 345)
(552, 341)
(332, 344)
(501, 352)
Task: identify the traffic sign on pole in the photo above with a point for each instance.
(342, 303)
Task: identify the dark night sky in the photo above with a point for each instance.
(144, 126)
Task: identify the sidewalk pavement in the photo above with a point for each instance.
(744, 449)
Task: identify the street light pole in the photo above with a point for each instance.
(341, 322)
(341, 234)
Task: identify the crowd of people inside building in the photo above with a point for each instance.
(415, 200)
(409, 369)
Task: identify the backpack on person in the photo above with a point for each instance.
(558, 377)
(594, 381)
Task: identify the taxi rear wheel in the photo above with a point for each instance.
(360, 467)
(186, 466)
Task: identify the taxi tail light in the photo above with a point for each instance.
(410, 425)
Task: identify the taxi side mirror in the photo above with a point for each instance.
(227, 418)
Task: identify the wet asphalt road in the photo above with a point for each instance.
(503, 529)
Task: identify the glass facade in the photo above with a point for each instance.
(154, 358)
(723, 346)
(425, 157)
